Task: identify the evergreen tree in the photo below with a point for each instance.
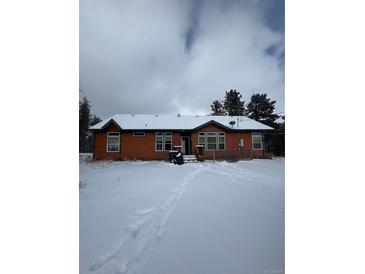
(275, 140)
(279, 141)
(94, 120)
(84, 122)
(261, 109)
(90, 137)
(232, 103)
(217, 108)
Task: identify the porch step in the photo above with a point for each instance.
(190, 159)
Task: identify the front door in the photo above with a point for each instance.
(185, 145)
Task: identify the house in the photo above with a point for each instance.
(151, 137)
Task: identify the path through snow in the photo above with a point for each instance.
(129, 254)
(129, 206)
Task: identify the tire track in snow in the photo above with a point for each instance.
(253, 176)
(130, 254)
(253, 181)
(240, 179)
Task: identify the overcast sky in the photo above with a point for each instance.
(174, 56)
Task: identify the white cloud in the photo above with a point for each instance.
(133, 57)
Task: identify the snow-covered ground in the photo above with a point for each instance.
(158, 218)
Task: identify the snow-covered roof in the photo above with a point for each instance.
(178, 122)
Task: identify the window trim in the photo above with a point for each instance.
(156, 141)
(217, 140)
(139, 135)
(211, 135)
(163, 133)
(107, 142)
(203, 136)
(224, 140)
(252, 136)
(164, 140)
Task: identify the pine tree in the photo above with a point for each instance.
(94, 120)
(232, 103)
(279, 141)
(275, 140)
(217, 108)
(90, 137)
(261, 109)
(84, 123)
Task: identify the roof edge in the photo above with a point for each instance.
(111, 120)
(212, 122)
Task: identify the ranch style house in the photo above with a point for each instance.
(153, 137)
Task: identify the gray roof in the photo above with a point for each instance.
(176, 122)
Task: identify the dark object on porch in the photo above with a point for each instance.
(199, 153)
(172, 155)
(179, 158)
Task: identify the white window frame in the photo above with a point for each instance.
(159, 133)
(252, 136)
(224, 140)
(107, 142)
(216, 140)
(217, 134)
(164, 140)
(139, 133)
(164, 134)
(202, 135)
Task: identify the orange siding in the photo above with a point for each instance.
(100, 145)
(176, 139)
(143, 148)
(132, 147)
(232, 151)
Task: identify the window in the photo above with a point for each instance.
(163, 141)
(159, 140)
(212, 140)
(168, 140)
(221, 140)
(113, 141)
(201, 138)
(256, 140)
(139, 134)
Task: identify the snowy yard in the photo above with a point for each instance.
(158, 218)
